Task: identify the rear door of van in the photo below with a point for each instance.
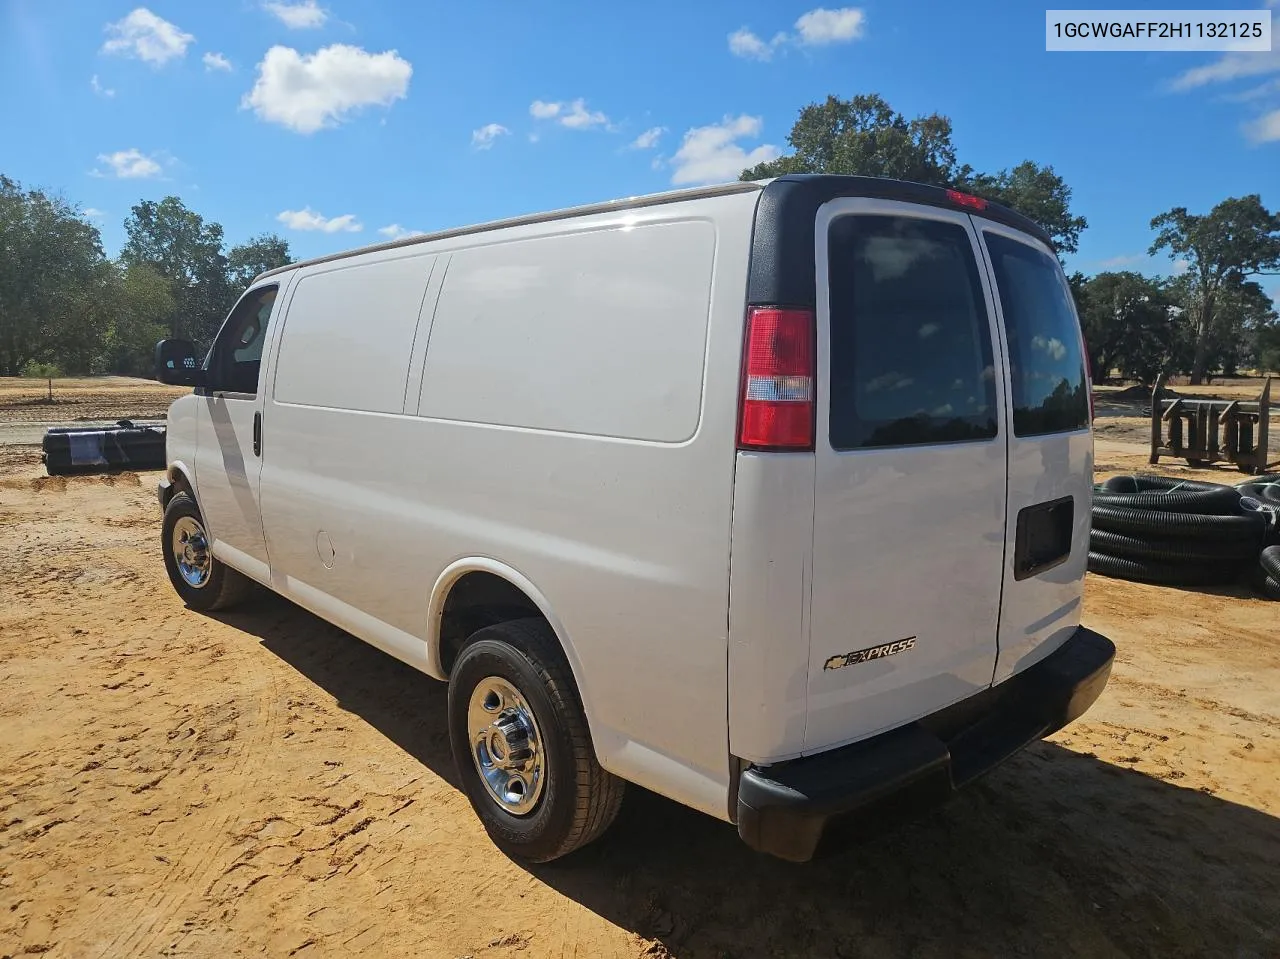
(911, 517)
(1050, 448)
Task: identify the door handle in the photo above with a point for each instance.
(257, 434)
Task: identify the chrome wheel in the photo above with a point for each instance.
(191, 551)
(506, 745)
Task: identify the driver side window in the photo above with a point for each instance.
(236, 357)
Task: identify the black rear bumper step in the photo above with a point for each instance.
(806, 807)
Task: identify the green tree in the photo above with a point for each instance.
(1238, 238)
(256, 256)
(1036, 192)
(1129, 322)
(1243, 311)
(143, 303)
(866, 136)
(51, 271)
(181, 247)
(1268, 348)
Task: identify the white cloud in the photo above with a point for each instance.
(649, 139)
(305, 15)
(1231, 66)
(573, 115)
(395, 231)
(483, 138)
(817, 28)
(579, 117)
(1181, 266)
(321, 89)
(129, 164)
(216, 61)
(309, 219)
(711, 154)
(94, 213)
(1124, 259)
(821, 27)
(1265, 129)
(147, 37)
(1051, 345)
(96, 86)
(1254, 93)
(743, 43)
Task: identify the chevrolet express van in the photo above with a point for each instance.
(772, 498)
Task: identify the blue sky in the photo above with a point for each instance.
(330, 121)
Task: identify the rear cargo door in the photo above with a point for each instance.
(909, 528)
(1050, 448)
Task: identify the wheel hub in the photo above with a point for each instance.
(506, 746)
(190, 549)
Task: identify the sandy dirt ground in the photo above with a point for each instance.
(28, 406)
(260, 783)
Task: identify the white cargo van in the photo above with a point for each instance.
(772, 497)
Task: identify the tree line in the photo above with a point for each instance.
(67, 308)
(1209, 316)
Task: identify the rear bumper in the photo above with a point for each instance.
(798, 809)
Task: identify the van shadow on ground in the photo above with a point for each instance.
(1054, 854)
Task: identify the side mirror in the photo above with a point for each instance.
(177, 365)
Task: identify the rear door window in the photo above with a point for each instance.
(911, 355)
(1046, 361)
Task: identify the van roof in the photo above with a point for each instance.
(789, 199)
(608, 206)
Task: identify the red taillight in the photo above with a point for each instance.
(777, 381)
(966, 199)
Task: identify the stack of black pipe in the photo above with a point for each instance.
(1265, 491)
(1154, 529)
(97, 449)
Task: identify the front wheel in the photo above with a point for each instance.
(521, 744)
(204, 583)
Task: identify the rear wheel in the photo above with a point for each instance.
(204, 583)
(521, 744)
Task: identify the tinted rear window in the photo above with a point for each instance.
(1045, 359)
(910, 338)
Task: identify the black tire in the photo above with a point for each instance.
(1271, 588)
(223, 588)
(1247, 526)
(1270, 561)
(1164, 574)
(1171, 550)
(578, 799)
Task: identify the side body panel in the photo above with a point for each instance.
(180, 435)
(624, 536)
(227, 462)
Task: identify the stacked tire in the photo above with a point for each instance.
(1154, 529)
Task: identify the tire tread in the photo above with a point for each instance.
(598, 794)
